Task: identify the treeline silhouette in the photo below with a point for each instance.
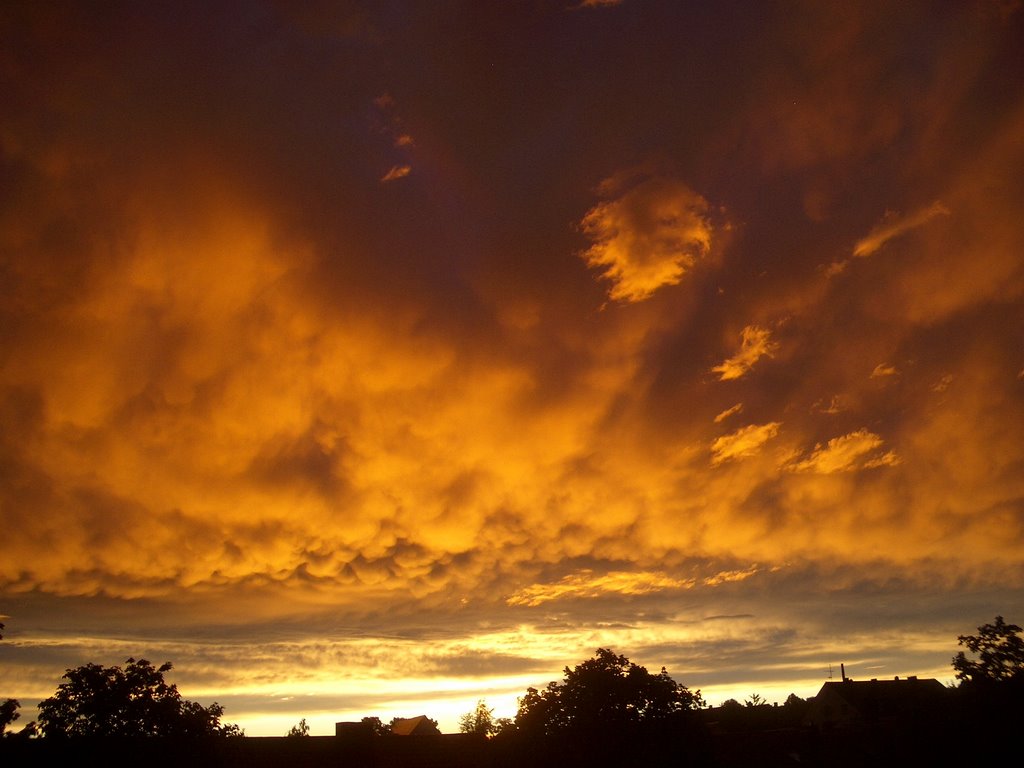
(606, 711)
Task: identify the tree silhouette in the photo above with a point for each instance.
(605, 692)
(133, 701)
(300, 729)
(480, 720)
(9, 711)
(375, 725)
(8, 714)
(1000, 651)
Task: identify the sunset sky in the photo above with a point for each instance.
(370, 358)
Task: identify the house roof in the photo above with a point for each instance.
(863, 694)
(414, 726)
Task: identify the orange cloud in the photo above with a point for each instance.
(848, 452)
(597, 4)
(744, 442)
(883, 370)
(729, 412)
(243, 382)
(894, 225)
(586, 584)
(647, 237)
(396, 172)
(756, 343)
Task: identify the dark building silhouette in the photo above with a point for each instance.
(853, 702)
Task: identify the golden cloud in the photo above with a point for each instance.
(744, 442)
(738, 408)
(242, 379)
(396, 172)
(882, 370)
(755, 343)
(894, 225)
(587, 584)
(647, 236)
(848, 452)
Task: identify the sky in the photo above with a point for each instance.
(371, 358)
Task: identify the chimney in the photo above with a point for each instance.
(842, 670)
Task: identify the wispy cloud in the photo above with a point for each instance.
(744, 442)
(587, 584)
(597, 4)
(647, 236)
(728, 412)
(853, 451)
(884, 370)
(755, 343)
(396, 172)
(894, 225)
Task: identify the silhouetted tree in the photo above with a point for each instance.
(376, 726)
(9, 712)
(794, 701)
(1000, 651)
(504, 726)
(300, 729)
(755, 700)
(133, 701)
(605, 692)
(480, 720)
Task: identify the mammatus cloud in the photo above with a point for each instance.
(647, 235)
(894, 225)
(755, 343)
(244, 383)
(744, 442)
(857, 450)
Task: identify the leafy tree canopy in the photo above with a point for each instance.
(795, 701)
(480, 720)
(376, 726)
(1000, 651)
(9, 712)
(607, 691)
(133, 701)
(299, 729)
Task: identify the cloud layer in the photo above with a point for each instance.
(497, 335)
